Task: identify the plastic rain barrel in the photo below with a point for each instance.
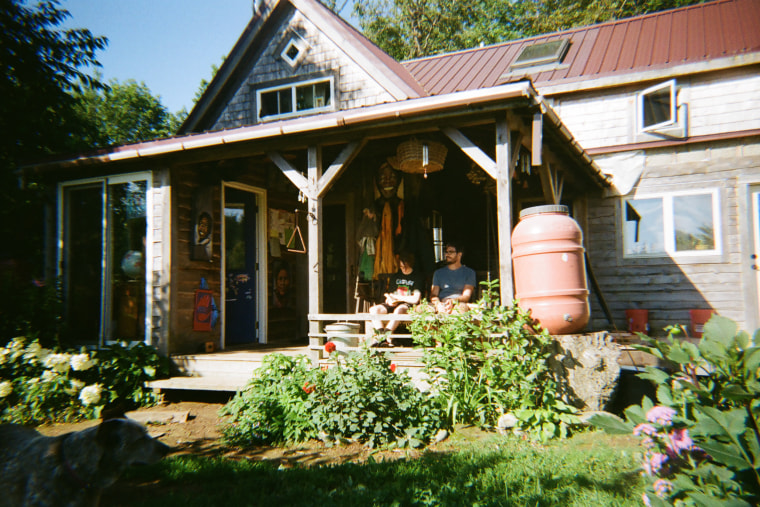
(550, 270)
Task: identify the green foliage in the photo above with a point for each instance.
(28, 307)
(123, 113)
(714, 393)
(125, 369)
(39, 385)
(488, 361)
(364, 399)
(361, 398)
(272, 408)
(408, 29)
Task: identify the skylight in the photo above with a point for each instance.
(542, 53)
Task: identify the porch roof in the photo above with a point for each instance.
(343, 125)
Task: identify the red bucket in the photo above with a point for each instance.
(638, 321)
(698, 320)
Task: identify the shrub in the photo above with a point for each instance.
(361, 398)
(40, 385)
(702, 442)
(489, 361)
(272, 408)
(366, 400)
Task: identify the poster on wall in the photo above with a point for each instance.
(201, 247)
(281, 225)
(203, 310)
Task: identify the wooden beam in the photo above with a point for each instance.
(537, 139)
(314, 218)
(289, 171)
(342, 161)
(547, 184)
(472, 150)
(504, 210)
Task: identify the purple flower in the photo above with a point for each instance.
(661, 415)
(654, 463)
(662, 487)
(644, 428)
(645, 499)
(679, 440)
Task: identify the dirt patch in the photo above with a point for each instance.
(193, 427)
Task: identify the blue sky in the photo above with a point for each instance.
(170, 45)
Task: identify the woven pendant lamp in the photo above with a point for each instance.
(420, 156)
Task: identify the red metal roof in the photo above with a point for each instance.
(693, 34)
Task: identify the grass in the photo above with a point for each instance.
(591, 469)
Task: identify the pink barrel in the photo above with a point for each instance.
(550, 271)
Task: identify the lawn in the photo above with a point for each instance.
(470, 468)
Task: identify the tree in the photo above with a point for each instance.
(39, 66)
(123, 113)
(412, 28)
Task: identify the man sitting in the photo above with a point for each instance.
(453, 284)
(404, 290)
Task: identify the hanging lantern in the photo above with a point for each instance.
(415, 156)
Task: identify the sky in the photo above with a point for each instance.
(170, 45)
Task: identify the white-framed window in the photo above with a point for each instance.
(294, 99)
(656, 107)
(294, 50)
(674, 224)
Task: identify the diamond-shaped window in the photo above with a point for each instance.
(294, 50)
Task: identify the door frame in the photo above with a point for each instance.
(752, 258)
(261, 259)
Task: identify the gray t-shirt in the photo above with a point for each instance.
(452, 281)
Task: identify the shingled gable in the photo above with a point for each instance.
(271, 21)
(699, 38)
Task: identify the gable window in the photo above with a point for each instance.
(294, 99)
(657, 107)
(679, 224)
(543, 53)
(294, 50)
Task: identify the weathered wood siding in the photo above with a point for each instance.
(717, 103)
(670, 287)
(353, 86)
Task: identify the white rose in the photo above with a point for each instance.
(4, 353)
(57, 362)
(6, 388)
(90, 395)
(81, 362)
(76, 385)
(17, 343)
(49, 376)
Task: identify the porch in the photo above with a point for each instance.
(229, 370)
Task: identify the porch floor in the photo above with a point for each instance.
(230, 370)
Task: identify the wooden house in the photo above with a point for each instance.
(256, 214)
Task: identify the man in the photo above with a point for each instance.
(454, 283)
(405, 290)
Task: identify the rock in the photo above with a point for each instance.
(506, 422)
(441, 436)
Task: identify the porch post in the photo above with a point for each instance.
(314, 221)
(504, 209)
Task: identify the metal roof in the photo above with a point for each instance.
(689, 35)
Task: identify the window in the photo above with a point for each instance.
(294, 50)
(673, 225)
(541, 54)
(657, 107)
(103, 226)
(294, 99)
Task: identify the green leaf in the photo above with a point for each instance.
(678, 355)
(656, 375)
(751, 362)
(713, 350)
(703, 500)
(727, 454)
(720, 329)
(611, 424)
(664, 395)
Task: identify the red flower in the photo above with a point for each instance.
(330, 347)
(308, 389)
(393, 367)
